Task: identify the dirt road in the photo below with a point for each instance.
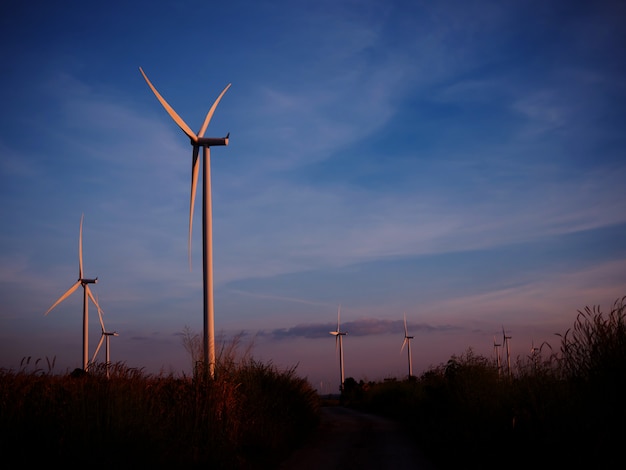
(349, 439)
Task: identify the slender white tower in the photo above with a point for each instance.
(407, 342)
(206, 143)
(84, 282)
(339, 346)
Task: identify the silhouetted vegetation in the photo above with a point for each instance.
(249, 415)
(558, 408)
(561, 408)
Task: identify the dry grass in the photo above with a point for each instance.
(231, 421)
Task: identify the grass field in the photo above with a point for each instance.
(563, 406)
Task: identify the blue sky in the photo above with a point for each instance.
(460, 162)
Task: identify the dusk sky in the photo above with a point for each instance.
(463, 162)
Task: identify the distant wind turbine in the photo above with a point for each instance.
(339, 345)
(496, 350)
(199, 141)
(535, 353)
(407, 342)
(82, 281)
(505, 343)
(106, 335)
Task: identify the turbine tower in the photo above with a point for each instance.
(496, 350)
(339, 345)
(199, 141)
(505, 342)
(84, 282)
(106, 335)
(535, 353)
(407, 342)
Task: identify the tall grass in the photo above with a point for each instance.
(563, 408)
(250, 415)
(560, 408)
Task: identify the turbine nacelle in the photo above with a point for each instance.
(198, 140)
(210, 141)
(84, 283)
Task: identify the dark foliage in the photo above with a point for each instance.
(250, 416)
(566, 410)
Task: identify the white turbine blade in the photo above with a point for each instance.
(99, 312)
(406, 332)
(93, 359)
(403, 344)
(338, 314)
(195, 165)
(93, 299)
(177, 119)
(211, 111)
(80, 248)
(64, 296)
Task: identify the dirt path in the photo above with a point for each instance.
(350, 439)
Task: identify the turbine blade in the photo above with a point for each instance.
(338, 314)
(80, 248)
(69, 292)
(337, 339)
(195, 165)
(177, 119)
(93, 299)
(99, 313)
(406, 332)
(403, 344)
(93, 359)
(211, 111)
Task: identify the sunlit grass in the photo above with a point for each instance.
(251, 415)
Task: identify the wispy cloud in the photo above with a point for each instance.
(363, 327)
(460, 160)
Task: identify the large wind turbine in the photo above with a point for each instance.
(339, 345)
(407, 342)
(106, 335)
(82, 281)
(206, 143)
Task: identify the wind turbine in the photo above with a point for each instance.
(505, 341)
(496, 350)
(198, 141)
(534, 353)
(407, 342)
(106, 335)
(84, 282)
(339, 345)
